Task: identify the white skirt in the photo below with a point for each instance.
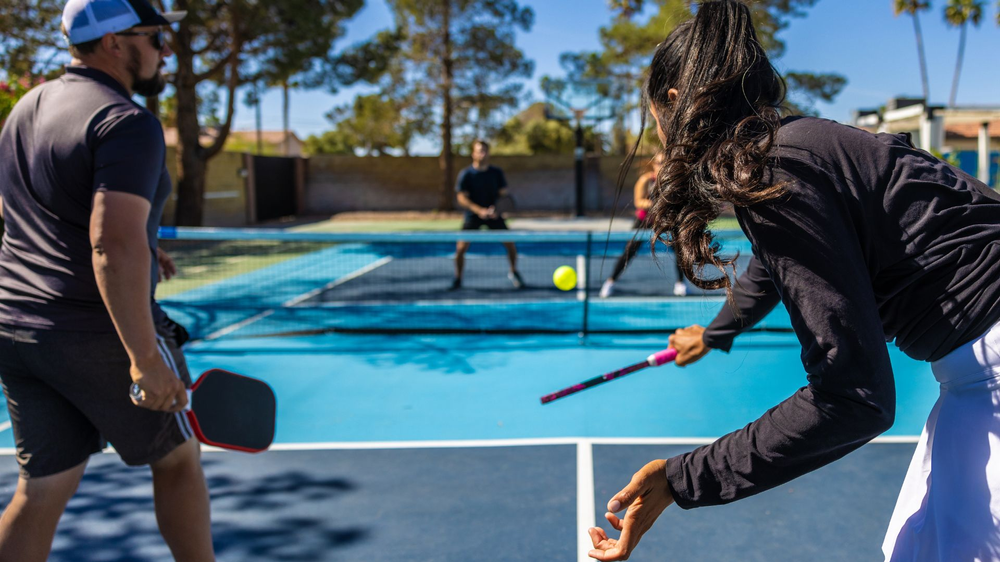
(949, 506)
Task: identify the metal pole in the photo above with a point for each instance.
(586, 285)
(984, 153)
(579, 169)
(260, 139)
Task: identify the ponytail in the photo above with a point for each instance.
(717, 131)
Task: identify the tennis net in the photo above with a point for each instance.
(250, 283)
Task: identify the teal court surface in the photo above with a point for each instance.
(398, 445)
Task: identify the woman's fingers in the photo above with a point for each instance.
(616, 523)
(645, 497)
(597, 536)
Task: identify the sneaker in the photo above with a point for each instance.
(607, 289)
(456, 284)
(515, 279)
(680, 289)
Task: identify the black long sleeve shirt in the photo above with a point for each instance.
(754, 295)
(872, 241)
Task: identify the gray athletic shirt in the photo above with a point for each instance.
(873, 241)
(64, 141)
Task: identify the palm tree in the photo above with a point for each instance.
(959, 13)
(912, 7)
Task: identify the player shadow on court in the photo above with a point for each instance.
(257, 515)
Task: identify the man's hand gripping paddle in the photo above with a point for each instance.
(230, 411)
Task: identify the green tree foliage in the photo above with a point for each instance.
(249, 145)
(814, 87)
(409, 109)
(209, 106)
(628, 43)
(229, 43)
(302, 54)
(961, 13)
(330, 142)
(30, 43)
(557, 137)
(459, 56)
(10, 92)
(374, 124)
(913, 9)
(531, 132)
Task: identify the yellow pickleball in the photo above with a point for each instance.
(565, 278)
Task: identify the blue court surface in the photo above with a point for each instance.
(437, 448)
(394, 444)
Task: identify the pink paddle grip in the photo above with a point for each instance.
(640, 214)
(661, 357)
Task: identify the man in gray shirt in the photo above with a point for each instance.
(83, 183)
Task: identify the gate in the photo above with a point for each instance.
(274, 187)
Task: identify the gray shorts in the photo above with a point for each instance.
(67, 395)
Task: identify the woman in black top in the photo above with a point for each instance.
(865, 240)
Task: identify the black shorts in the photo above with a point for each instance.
(475, 222)
(67, 395)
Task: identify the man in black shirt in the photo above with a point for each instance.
(78, 269)
(479, 188)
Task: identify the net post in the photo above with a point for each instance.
(579, 153)
(586, 284)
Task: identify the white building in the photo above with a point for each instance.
(970, 133)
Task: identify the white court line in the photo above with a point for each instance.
(534, 442)
(299, 299)
(4, 426)
(585, 504)
(585, 518)
(507, 302)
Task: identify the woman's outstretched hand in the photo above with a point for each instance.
(643, 500)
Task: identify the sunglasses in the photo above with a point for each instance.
(158, 38)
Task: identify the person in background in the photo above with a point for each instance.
(641, 200)
(479, 188)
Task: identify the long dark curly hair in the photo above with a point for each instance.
(717, 131)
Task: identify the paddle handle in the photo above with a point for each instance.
(654, 360)
(188, 407)
(662, 357)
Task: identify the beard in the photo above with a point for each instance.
(146, 87)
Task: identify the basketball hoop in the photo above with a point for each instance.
(589, 100)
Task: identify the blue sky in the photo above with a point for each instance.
(860, 39)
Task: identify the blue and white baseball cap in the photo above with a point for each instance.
(86, 20)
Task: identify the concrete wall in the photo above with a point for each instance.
(610, 166)
(337, 184)
(225, 190)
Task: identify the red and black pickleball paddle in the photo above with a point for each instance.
(232, 411)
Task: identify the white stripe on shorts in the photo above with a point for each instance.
(168, 357)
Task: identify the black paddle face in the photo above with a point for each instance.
(505, 204)
(233, 411)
